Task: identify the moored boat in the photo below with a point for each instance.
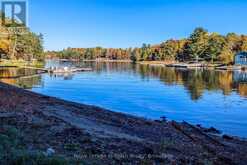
(68, 70)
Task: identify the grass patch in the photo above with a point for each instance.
(13, 152)
(72, 147)
(38, 159)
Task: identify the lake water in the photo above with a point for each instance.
(210, 98)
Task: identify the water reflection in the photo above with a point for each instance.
(65, 76)
(25, 78)
(195, 81)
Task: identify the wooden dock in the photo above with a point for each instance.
(230, 68)
(59, 70)
(186, 65)
(203, 65)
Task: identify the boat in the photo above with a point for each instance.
(68, 70)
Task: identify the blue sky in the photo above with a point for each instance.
(129, 23)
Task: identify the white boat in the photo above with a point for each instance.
(68, 70)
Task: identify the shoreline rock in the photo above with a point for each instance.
(97, 135)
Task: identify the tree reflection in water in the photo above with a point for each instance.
(195, 81)
(25, 78)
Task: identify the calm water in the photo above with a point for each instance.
(210, 98)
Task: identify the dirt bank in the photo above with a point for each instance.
(92, 134)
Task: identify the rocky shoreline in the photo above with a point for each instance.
(91, 134)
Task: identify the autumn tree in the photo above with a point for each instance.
(226, 55)
(215, 45)
(170, 49)
(198, 43)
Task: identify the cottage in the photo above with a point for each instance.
(241, 58)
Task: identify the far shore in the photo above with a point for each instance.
(175, 64)
(93, 60)
(95, 135)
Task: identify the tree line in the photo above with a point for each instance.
(199, 46)
(91, 53)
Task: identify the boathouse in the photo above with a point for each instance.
(241, 58)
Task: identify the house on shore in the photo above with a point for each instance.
(241, 59)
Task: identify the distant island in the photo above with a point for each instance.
(199, 46)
